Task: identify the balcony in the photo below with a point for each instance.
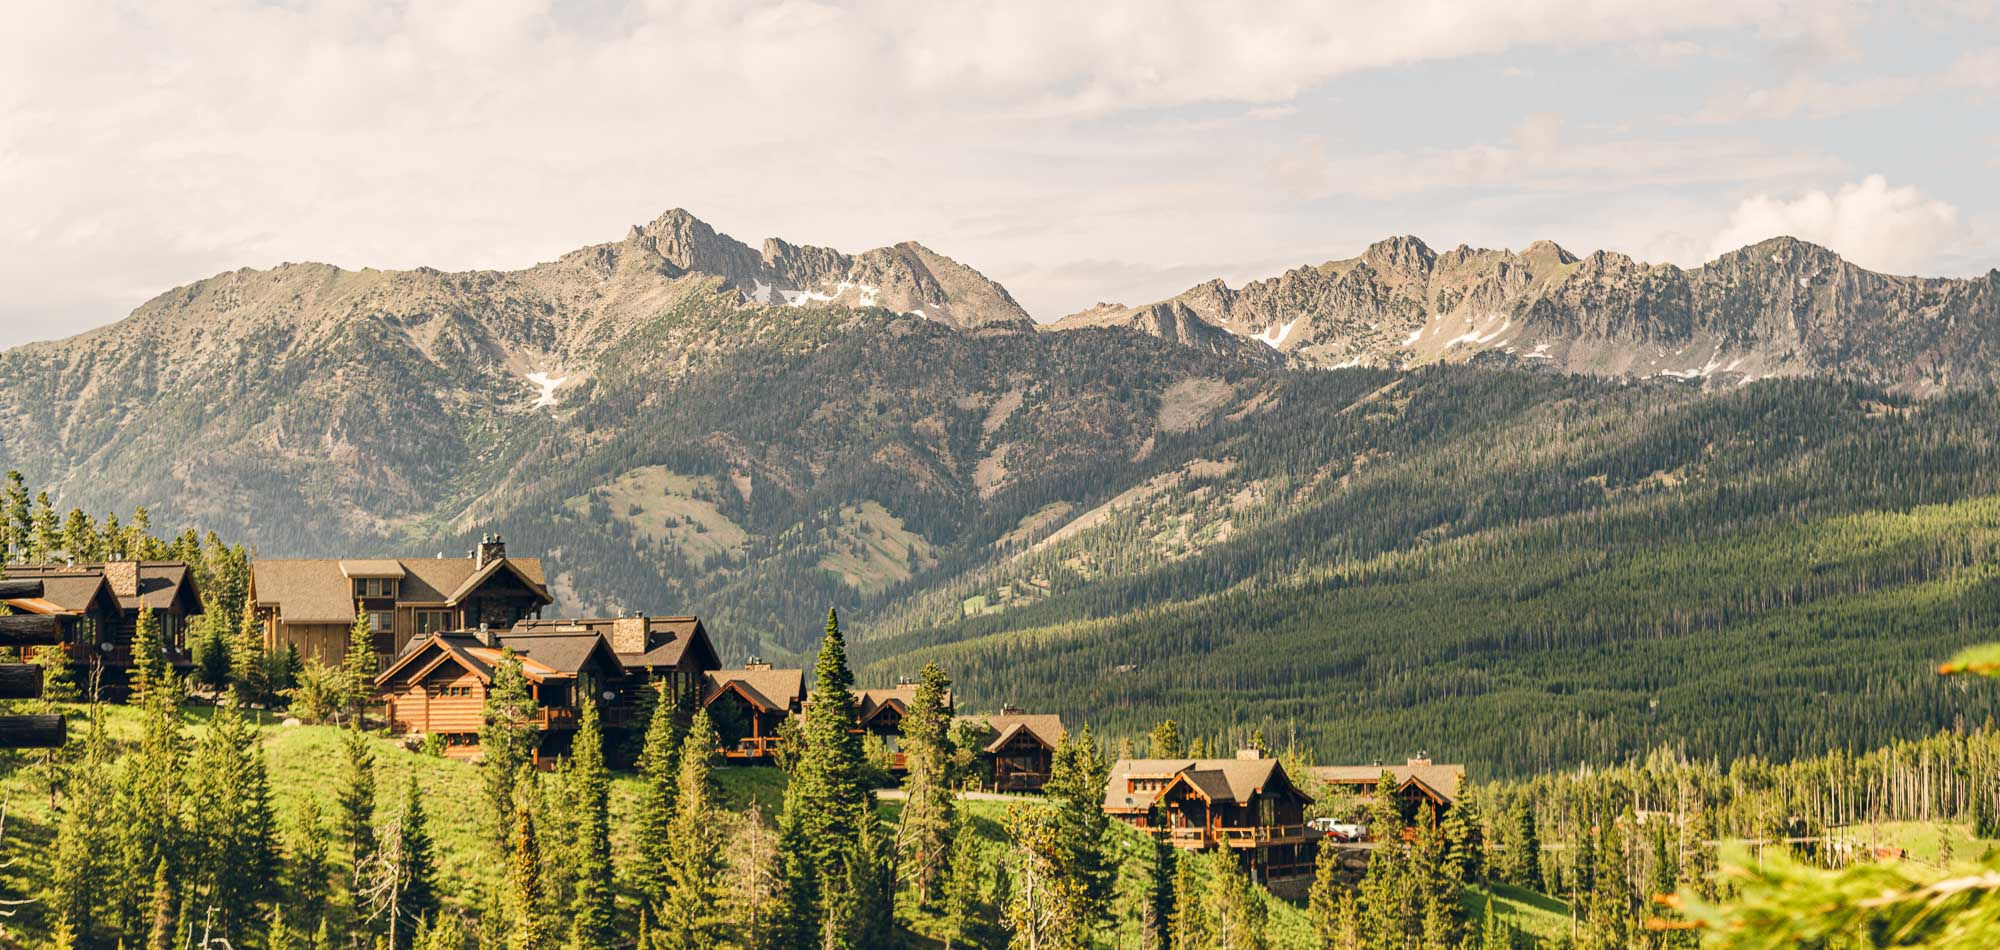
(556, 717)
(1196, 837)
(753, 747)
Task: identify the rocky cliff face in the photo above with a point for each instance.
(1779, 308)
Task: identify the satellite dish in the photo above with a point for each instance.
(610, 694)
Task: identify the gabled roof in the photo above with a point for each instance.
(1442, 780)
(873, 702)
(669, 638)
(1044, 727)
(563, 654)
(768, 689)
(493, 569)
(543, 657)
(1233, 781)
(162, 584)
(66, 592)
(317, 590)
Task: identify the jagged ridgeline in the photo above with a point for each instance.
(1108, 521)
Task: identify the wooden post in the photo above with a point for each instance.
(32, 732)
(29, 630)
(20, 681)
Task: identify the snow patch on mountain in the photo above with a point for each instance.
(548, 385)
(1275, 337)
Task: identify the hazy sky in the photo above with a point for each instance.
(1107, 150)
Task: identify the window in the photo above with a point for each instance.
(433, 621)
(382, 621)
(375, 587)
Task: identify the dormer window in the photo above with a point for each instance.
(375, 588)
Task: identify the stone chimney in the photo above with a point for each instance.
(1011, 710)
(628, 635)
(486, 637)
(491, 548)
(756, 663)
(1249, 753)
(123, 576)
(1421, 758)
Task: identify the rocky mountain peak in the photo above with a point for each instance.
(1403, 254)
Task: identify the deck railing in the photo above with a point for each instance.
(753, 747)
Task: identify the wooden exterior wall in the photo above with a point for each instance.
(449, 702)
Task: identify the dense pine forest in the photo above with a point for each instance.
(1525, 573)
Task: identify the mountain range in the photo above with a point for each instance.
(1477, 481)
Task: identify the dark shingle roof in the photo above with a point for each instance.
(317, 590)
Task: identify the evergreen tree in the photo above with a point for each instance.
(527, 924)
(447, 931)
(1075, 791)
(835, 810)
(401, 889)
(1240, 915)
(211, 649)
(249, 667)
(151, 672)
(85, 865)
(1434, 876)
(1043, 911)
(959, 916)
(508, 738)
(20, 522)
(1494, 933)
(359, 666)
(592, 924)
(795, 921)
(148, 808)
(160, 911)
(236, 856)
(356, 816)
(1323, 900)
(690, 915)
(311, 868)
(659, 773)
(1157, 907)
(80, 537)
(1166, 741)
(58, 680)
(1524, 847)
(1189, 926)
(47, 535)
(279, 936)
(924, 831)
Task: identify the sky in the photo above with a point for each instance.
(1116, 150)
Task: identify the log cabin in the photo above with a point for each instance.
(1420, 783)
(98, 609)
(749, 705)
(1020, 749)
(1247, 805)
(438, 685)
(311, 603)
(671, 654)
(880, 712)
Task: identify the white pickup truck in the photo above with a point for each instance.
(1338, 830)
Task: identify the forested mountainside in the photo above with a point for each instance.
(1517, 570)
(1782, 307)
(1506, 565)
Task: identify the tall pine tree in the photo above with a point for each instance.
(691, 914)
(592, 921)
(923, 835)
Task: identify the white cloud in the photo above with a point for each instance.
(1978, 71)
(1808, 95)
(1900, 230)
(147, 145)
